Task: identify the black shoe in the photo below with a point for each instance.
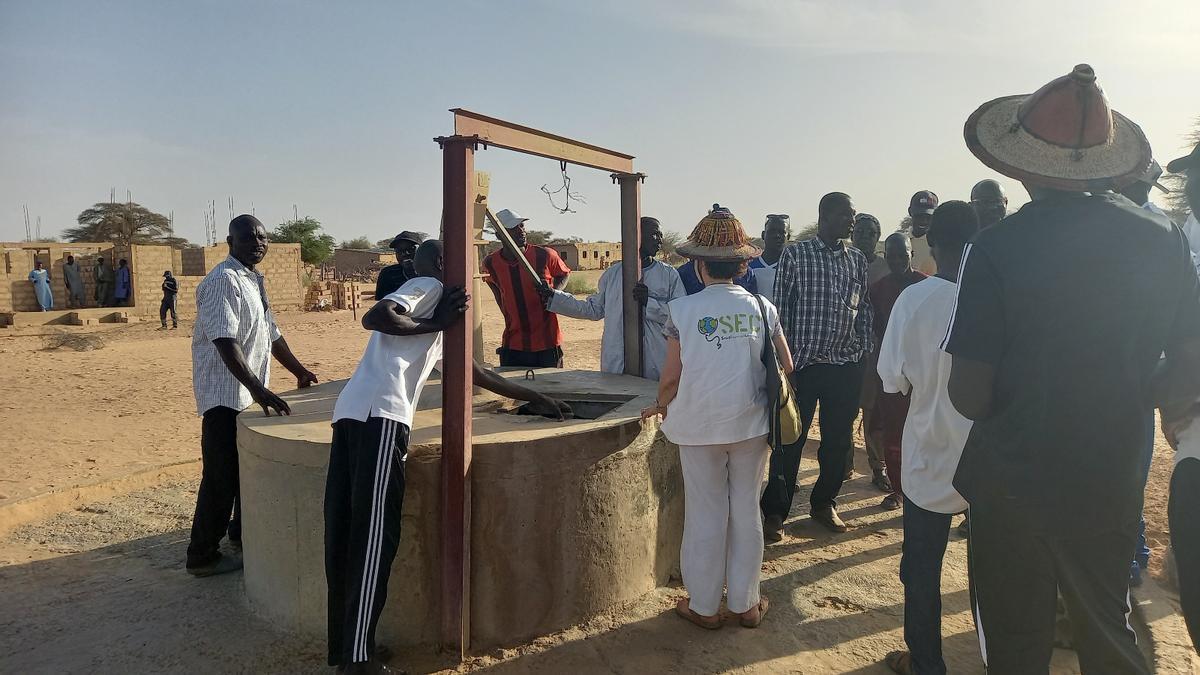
(828, 516)
(372, 667)
(771, 529)
(222, 565)
(879, 480)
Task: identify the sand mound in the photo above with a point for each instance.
(79, 342)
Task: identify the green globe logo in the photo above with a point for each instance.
(707, 325)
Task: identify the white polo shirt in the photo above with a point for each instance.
(388, 380)
(911, 359)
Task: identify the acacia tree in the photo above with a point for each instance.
(360, 243)
(125, 224)
(315, 247)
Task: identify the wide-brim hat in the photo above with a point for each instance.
(719, 237)
(1063, 136)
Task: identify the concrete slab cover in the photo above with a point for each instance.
(569, 518)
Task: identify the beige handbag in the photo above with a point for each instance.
(784, 421)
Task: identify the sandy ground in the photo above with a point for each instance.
(101, 589)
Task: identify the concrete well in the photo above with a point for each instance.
(568, 518)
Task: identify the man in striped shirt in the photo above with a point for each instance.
(232, 344)
(531, 338)
(821, 293)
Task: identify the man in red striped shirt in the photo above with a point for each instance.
(532, 338)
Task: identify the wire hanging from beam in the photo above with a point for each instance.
(565, 189)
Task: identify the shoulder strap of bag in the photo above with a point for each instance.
(768, 347)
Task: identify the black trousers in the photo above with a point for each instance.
(364, 492)
(1016, 573)
(167, 304)
(218, 496)
(1182, 510)
(925, 536)
(837, 388)
(547, 358)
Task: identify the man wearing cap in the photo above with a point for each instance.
(170, 289)
(864, 236)
(1056, 366)
(531, 338)
(821, 293)
(1183, 431)
(392, 277)
(920, 210)
(989, 201)
(660, 284)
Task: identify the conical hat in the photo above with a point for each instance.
(1063, 136)
(719, 236)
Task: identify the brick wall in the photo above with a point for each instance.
(149, 263)
(16, 292)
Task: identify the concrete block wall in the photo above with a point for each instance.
(149, 263)
(16, 291)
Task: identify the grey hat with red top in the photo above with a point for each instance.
(1063, 136)
(924, 202)
(1189, 161)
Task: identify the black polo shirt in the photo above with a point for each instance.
(391, 278)
(1073, 300)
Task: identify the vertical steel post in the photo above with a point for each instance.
(631, 268)
(458, 175)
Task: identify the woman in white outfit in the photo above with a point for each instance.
(713, 399)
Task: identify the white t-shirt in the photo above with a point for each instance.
(723, 386)
(922, 259)
(764, 276)
(388, 380)
(910, 359)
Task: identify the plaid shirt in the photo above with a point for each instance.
(821, 293)
(231, 302)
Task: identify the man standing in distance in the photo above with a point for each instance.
(865, 238)
(73, 277)
(821, 293)
(170, 290)
(892, 408)
(920, 209)
(1039, 342)
(232, 344)
(531, 338)
(393, 277)
(775, 236)
(660, 284)
(989, 201)
(102, 276)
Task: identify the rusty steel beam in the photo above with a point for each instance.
(458, 206)
(492, 131)
(631, 268)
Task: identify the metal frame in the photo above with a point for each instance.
(472, 130)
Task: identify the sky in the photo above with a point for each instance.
(761, 106)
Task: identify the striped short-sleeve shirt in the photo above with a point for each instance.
(528, 326)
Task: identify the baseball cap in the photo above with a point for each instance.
(866, 216)
(167, 273)
(1189, 161)
(924, 202)
(414, 237)
(509, 218)
(1153, 173)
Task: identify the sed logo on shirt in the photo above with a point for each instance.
(728, 327)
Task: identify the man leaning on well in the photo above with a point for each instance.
(232, 344)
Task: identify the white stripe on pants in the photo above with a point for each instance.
(722, 524)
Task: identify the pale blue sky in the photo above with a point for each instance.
(761, 106)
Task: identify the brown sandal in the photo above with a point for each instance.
(760, 611)
(683, 609)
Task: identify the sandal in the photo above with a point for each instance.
(759, 610)
(881, 482)
(900, 662)
(890, 503)
(683, 609)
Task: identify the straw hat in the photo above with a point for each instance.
(1063, 136)
(719, 236)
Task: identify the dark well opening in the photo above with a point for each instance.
(586, 407)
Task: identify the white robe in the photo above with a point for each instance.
(664, 284)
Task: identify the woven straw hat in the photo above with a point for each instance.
(719, 236)
(1063, 136)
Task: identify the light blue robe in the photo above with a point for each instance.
(41, 286)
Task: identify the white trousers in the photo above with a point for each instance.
(722, 524)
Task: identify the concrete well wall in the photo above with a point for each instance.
(568, 518)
